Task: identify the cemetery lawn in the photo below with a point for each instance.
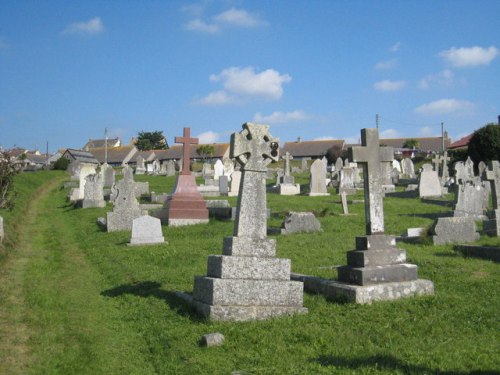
(78, 300)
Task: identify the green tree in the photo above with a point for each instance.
(335, 152)
(151, 141)
(61, 164)
(205, 151)
(411, 143)
(7, 172)
(485, 144)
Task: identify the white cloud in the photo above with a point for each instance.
(324, 138)
(444, 79)
(388, 85)
(427, 131)
(90, 28)
(281, 117)
(208, 137)
(388, 64)
(466, 57)
(395, 47)
(445, 106)
(244, 83)
(353, 139)
(230, 18)
(390, 133)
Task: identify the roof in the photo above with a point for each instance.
(221, 150)
(461, 143)
(81, 156)
(148, 155)
(312, 148)
(425, 144)
(97, 143)
(116, 155)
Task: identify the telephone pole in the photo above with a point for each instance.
(442, 136)
(376, 120)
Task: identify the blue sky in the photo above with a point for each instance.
(314, 69)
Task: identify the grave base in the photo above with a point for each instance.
(181, 222)
(289, 189)
(318, 194)
(342, 292)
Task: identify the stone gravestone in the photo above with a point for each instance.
(396, 164)
(318, 177)
(74, 170)
(186, 205)
(376, 270)
(299, 222)
(223, 185)
(140, 168)
(170, 168)
(228, 168)
(482, 167)
(218, 169)
(163, 168)
(492, 174)
(154, 167)
(126, 208)
(429, 184)
(386, 177)
(287, 184)
(85, 170)
(303, 165)
(407, 168)
(207, 170)
(108, 174)
(444, 169)
(346, 181)
(461, 174)
(235, 184)
(93, 194)
(146, 230)
(469, 168)
(470, 200)
(248, 282)
(454, 230)
(345, 207)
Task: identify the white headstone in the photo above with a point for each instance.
(318, 176)
(429, 184)
(146, 230)
(218, 169)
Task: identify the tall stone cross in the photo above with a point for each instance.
(288, 157)
(253, 148)
(186, 141)
(445, 159)
(493, 175)
(436, 161)
(370, 155)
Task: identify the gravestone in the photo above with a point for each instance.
(303, 165)
(461, 174)
(228, 168)
(146, 230)
(248, 282)
(218, 169)
(235, 184)
(300, 222)
(125, 208)
(339, 164)
(376, 270)
(444, 169)
(436, 163)
(386, 177)
(186, 205)
(155, 167)
(287, 184)
(85, 170)
(170, 168)
(93, 194)
(345, 207)
(407, 168)
(74, 170)
(163, 168)
(469, 168)
(108, 174)
(140, 168)
(346, 181)
(318, 177)
(454, 230)
(223, 185)
(396, 164)
(482, 167)
(492, 175)
(207, 170)
(429, 184)
(470, 201)
(287, 177)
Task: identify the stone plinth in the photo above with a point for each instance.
(186, 205)
(288, 189)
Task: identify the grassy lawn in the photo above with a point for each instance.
(77, 300)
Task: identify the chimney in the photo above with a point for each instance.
(299, 139)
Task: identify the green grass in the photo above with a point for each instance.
(92, 305)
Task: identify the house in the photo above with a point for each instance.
(116, 156)
(461, 144)
(79, 155)
(221, 151)
(148, 156)
(98, 143)
(311, 149)
(425, 144)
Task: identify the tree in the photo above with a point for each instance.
(205, 151)
(485, 144)
(8, 170)
(151, 141)
(334, 152)
(411, 143)
(61, 164)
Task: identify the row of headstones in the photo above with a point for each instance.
(166, 168)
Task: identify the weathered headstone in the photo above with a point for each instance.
(444, 169)
(170, 168)
(286, 182)
(108, 174)
(407, 168)
(396, 164)
(186, 205)
(461, 174)
(218, 169)
(469, 168)
(207, 170)
(146, 230)
(429, 184)
(303, 164)
(346, 181)
(345, 207)
(126, 208)
(84, 171)
(482, 167)
(470, 201)
(298, 222)
(154, 167)
(228, 168)
(454, 230)
(93, 194)
(339, 164)
(318, 176)
(248, 282)
(386, 177)
(492, 175)
(163, 168)
(140, 167)
(223, 185)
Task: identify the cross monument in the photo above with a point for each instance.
(186, 141)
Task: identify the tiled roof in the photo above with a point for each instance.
(116, 155)
(98, 143)
(82, 156)
(149, 155)
(175, 152)
(461, 143)
(426, 144)
(311, 148)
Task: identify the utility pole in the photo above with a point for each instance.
(442, 137)
(106, 145)
(47, 152)
(376, 120)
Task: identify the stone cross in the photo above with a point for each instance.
(445, 159)
(493, 175)
(436, 161)
(253, 148)
(288, 157)
(370, 155)
(186, 141)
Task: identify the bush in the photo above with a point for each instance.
(485, 144)
(61, 164)
(7, 172)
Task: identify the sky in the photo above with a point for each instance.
(315, 69)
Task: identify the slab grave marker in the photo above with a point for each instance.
(218, 169)
(429, 184)
(492, 174)
(140, 167)
(146, 230)
(318, 178)
(93, 194)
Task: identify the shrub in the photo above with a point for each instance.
(485, 144)
(61, 164)
(7, 172)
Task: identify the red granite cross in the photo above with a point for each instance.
(186, 141)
